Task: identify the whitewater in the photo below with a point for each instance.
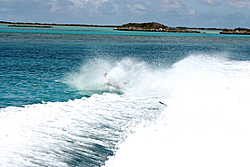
(206, 122)
(86, 123)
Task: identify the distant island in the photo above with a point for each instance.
(30, 25)
(240, 31)
(47, 25)
(150, 26)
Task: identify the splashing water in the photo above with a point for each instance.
(206, 122)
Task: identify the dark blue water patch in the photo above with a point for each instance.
(241, 53)
(28, 79)
(85, 155)
(78, 153)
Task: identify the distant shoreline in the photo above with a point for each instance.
(152, 26)
(155, 30)
(48, 25)
(26, 25)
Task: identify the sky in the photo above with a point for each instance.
(173, 13)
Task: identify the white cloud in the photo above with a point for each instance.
(209, 2)
(191, 12)
(79, 3)
(238, 3)
(54, 6)
(85, 3)
(169, 12)
(137, 8)
(3, 9)
(173, 4)
(18, 0)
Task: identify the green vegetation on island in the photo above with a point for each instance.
(50, 25)
(152, 26)
(240, 31)
(30, 25)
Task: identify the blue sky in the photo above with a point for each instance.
(191, 13)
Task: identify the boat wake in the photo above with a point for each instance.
(205, 122)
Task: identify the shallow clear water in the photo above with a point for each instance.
(55, 109)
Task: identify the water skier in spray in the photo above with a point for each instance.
(116, 86)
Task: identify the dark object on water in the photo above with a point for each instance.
(162, 103)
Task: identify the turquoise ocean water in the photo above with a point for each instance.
(57, 110)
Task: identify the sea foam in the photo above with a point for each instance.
(206, 122)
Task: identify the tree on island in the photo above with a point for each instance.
(241, 31)
(151, 25)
